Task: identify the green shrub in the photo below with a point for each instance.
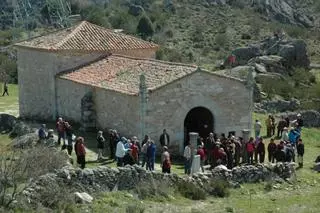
(169, 33)
(222, 40)
(160, 191)
(191, 191)
(268, 186)
(145, 27)
(168, 54)
(218, 188)
(301, 75)
(135, 208)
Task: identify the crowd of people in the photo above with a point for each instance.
(215, 150)
(122, 150)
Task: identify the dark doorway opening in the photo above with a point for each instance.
(199, 120)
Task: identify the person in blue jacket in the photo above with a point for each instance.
(151, 156)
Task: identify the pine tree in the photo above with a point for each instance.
(145, 27)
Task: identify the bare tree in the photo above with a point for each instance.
(18, 167)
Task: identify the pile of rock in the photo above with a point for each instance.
(277, 106)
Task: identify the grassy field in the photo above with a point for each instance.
(9, 104)
(300, 196)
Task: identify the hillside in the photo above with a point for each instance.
(203, 32)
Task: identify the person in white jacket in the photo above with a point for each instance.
(120, 153)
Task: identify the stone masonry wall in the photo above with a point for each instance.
(69, 95)
(36, 73)
(227, 99)
(117, 111)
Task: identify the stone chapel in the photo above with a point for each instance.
(105, 79)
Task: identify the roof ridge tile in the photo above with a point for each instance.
(74, 31)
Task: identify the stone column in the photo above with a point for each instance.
(250, 82)
(143, 104)
(195, 167)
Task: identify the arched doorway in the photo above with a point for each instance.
(200, 120)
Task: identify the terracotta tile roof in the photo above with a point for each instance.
(87, 37)
(122, 73)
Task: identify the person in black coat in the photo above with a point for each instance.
(164, 138)
(261, 150)
(272, 149)
(300, 151)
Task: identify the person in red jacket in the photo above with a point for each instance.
(250, 147)
(134, 152)
(200, 152)
(80, 152)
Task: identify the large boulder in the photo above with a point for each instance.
(311, 118)
(294, 53)
(7, 122)
(244, 54)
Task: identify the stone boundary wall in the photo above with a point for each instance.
(105, 179)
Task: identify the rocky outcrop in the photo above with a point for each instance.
(274, 55)
(311, 118)
(277, 106)
(104, 179)
(284, 11)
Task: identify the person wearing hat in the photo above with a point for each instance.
(299, 122)
(100, 145)
(165, 161)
